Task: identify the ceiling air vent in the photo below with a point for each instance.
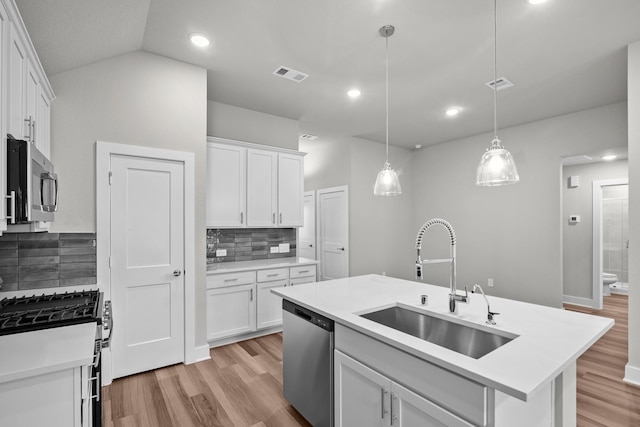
(570, 160)
(308, 136)
(501, 84)
(290, 73)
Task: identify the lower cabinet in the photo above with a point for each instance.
(55, 399)
(365, 397)
(241, 304)
(231, 311)
(269, 308)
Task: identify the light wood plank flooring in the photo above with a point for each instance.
(242, 386)
(603, 398)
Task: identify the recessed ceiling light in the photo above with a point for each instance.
(609, 157)
(535, 1)
(453, 111)
(418, 146)
(353, 93)
(199, 39)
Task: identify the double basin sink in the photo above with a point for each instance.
(468, 340)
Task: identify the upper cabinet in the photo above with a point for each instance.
(250, 185)
(25, 106)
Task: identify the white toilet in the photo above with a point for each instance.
(608, 279)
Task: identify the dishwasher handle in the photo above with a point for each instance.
(307, 315)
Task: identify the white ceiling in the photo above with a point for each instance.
(563, 56)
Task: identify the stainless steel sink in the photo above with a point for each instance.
(467, 340)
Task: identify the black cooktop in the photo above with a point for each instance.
(24, 314)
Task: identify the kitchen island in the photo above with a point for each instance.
(383, 376)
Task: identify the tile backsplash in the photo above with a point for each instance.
(47, 260)
(246, 244)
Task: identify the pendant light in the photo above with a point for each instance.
(387, 182)
(496, 165)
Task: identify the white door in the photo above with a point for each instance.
(307, 233)
(147, 262)
(333, 232)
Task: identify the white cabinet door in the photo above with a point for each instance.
(412, 410)
(290, 190)
(17, 74)
(269, 308)
(262, 190)
(31, 91)
(4, 77)
(230, 311)
(365, 397)
(361, 394)
(43, 124)
(226, 186)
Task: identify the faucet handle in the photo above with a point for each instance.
(490, 320)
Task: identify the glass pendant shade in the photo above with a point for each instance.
(387, 182)
(496, 167)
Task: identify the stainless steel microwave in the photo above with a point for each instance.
(32, 186)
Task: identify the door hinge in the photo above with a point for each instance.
(110, 177)
(109, 262)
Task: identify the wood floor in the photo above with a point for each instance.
(242, 386)
(603, 398)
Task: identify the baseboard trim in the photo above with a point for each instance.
(242, 337)
(632, 375)
(585, 302)
(199, 353)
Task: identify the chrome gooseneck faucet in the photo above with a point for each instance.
(453, 293)
(490, 313)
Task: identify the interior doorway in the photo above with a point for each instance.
(307, 233)
(610, 235)
(333, 232)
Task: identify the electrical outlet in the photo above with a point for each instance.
(490, 283)
(221, 252)
(283, 248)
(275, 249)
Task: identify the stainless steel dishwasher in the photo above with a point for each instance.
(307, 343)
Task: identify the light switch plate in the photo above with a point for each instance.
(284, 248)
(221, 252)
(275, 249)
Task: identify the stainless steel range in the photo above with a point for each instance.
(25, 314)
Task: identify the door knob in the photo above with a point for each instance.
(310, 246)
(342, 249)
(177, 273)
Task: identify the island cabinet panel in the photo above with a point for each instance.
(453, 393)
(364, 396)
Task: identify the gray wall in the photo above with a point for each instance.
(577, 239)
(138, 99)
(512, 234)
(381, 238)
(633, 368)
(227, 121)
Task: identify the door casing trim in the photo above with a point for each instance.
(104, 151)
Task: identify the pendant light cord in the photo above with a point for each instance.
(495, 69)
(387, 93)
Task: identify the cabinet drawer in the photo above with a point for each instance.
(273, 274)
(231, 279)
(302, 281)
(302, 271)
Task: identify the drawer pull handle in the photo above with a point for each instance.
(231, 280)
(303, 271)
(273, 275)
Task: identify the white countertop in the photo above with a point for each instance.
(27, 354)
(549, 339)
(237, 266)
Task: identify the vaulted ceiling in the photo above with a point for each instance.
(563, 56)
